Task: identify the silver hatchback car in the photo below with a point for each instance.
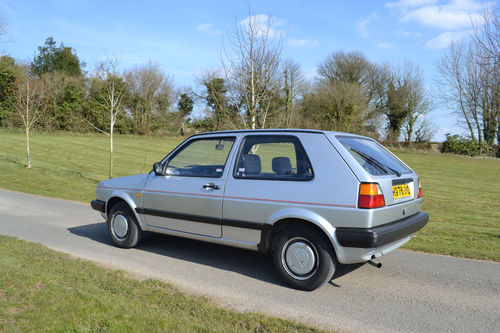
(312, 199)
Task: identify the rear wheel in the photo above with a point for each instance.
(123, 227)
(303, 258)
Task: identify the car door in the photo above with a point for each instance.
(189, 197)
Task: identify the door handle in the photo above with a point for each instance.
(212, 186)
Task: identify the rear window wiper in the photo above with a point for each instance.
(375, 162)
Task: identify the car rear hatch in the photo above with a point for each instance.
(372, 163)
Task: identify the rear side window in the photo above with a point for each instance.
(274, 158)
(372, 156)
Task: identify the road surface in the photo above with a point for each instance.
(412, 292)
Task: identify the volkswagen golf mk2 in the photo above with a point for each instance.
(311, 199)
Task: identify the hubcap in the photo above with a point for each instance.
(299, 258)
(119, 226)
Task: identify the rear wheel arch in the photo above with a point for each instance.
(269, 233)
(303, 254)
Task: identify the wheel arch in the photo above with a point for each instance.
(115, 198)
(298, 218)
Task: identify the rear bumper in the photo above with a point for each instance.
(381, 235)
(98, 205)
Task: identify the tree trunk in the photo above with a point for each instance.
(28, 155)
(111, 153)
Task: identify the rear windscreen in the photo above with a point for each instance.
(372, 156)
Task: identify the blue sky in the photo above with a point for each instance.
(184, 37)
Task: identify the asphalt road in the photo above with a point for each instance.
(412, 292)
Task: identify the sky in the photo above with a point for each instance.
(184, 37)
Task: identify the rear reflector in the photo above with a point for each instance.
(370, 196)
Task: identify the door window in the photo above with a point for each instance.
(201, 158)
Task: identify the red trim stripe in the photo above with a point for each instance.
(233, 197)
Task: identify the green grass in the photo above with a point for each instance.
(42, 290)
(70, 166)
(462, 197)
(461, 194)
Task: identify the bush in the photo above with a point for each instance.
(457, 144)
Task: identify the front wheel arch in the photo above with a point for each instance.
(123, 227)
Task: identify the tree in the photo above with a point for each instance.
(460, 77)
(9, 71)
(150, 96)
(292, 83)
(30, 98)
(51, 58)
(487, 37)
(110, 91)
(487, 40)
(355, 69)
(338, 107)
(251, 68)
(214, 94)
(350, 67)
(185, 106)
(67, 95)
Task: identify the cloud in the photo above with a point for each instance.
(404, 4)
(309, 43)
(386, 45)
(408, 34)
(443, 40)
(362, 26)
(456, 14)
(208, 28)
(263, 25)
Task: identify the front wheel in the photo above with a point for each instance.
(303, 258)
(123, 227)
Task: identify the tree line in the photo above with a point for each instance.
(256, 88)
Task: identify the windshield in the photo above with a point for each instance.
(372, 156)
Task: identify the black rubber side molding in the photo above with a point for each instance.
(98, 205)
(381, 235)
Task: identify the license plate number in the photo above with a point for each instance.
(401, 191)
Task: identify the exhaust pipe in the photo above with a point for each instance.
(374, 263)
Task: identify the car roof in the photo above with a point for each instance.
(277, 130)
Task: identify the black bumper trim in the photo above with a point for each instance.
(381, 235)
(98, 205)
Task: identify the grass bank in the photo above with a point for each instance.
(42, 290)
(461, 194)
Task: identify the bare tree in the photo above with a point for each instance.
(487, 36)
(424, 130)
(461, 80)
(251, 67)
(30, 98)
(110, 98)
(487, 40)
(292, 83)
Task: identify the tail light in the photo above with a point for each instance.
(370, 196)
(419, 188)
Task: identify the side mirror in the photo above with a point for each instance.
(158, 169)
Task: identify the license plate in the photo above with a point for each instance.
(401, 191)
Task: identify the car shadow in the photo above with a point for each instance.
(246, 262)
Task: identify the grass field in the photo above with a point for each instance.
(461, 194)
(46, 291)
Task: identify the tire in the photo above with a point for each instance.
(123, 227)
(303, 258)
